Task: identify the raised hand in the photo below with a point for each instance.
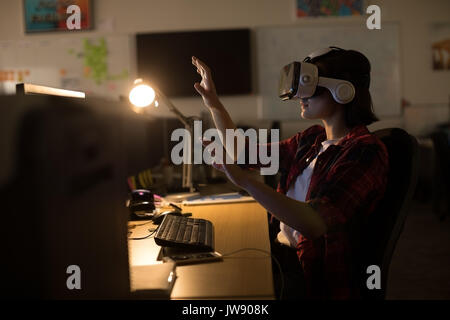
(206, 87)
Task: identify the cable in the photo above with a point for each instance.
(133, 226)
(175, 206)
(269, 254)
(142, 224)
(147, 236)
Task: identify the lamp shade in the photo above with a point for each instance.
(142, 95)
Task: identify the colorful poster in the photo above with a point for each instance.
(316, 8)
(440, 46)
(51, 15)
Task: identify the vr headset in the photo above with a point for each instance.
(301, 79)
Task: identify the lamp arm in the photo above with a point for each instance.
(187, 168)
(172, 108)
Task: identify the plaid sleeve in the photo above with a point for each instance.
(355, 182)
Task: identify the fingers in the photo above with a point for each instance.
(196, 64)
(201, 66)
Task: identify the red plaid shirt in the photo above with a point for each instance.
(348, 180)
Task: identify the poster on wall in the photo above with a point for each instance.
(440, 45)
(51, 15)
(324, 8)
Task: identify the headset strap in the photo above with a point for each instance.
(321, 52)
(364, 80)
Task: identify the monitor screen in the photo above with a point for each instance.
(164, 59)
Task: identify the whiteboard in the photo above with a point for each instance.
(97, 65)
(278, 46)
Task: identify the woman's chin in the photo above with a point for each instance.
(304, 114)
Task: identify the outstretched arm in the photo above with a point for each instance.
(207, 90)
(298, 215)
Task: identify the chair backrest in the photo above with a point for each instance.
(441, 147)
(441, 172)
(384, 226)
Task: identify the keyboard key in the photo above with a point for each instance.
(181, 232)
(194, 235)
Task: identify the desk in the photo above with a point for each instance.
(245, 275)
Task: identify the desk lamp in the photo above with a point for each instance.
(142, 96)
(28, 88)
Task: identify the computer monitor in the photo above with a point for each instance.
(63, 192)
(164, 60)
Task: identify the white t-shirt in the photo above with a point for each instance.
(298, 191)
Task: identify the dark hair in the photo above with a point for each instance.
(354, 67)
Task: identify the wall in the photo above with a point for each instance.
(427, 91)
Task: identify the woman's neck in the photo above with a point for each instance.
(335, 127)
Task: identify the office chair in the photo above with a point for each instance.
(383, 227)
(442, 174)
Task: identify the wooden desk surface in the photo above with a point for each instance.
(247, 274)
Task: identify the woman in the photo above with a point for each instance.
(331, 176)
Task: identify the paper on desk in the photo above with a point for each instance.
(219, 198)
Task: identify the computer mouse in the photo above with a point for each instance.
(141, 204)
(159, 218)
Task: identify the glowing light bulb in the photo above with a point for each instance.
(142, 96)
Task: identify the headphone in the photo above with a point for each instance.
(300, 80)
(342, 91)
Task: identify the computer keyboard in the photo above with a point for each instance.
(186, 233)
